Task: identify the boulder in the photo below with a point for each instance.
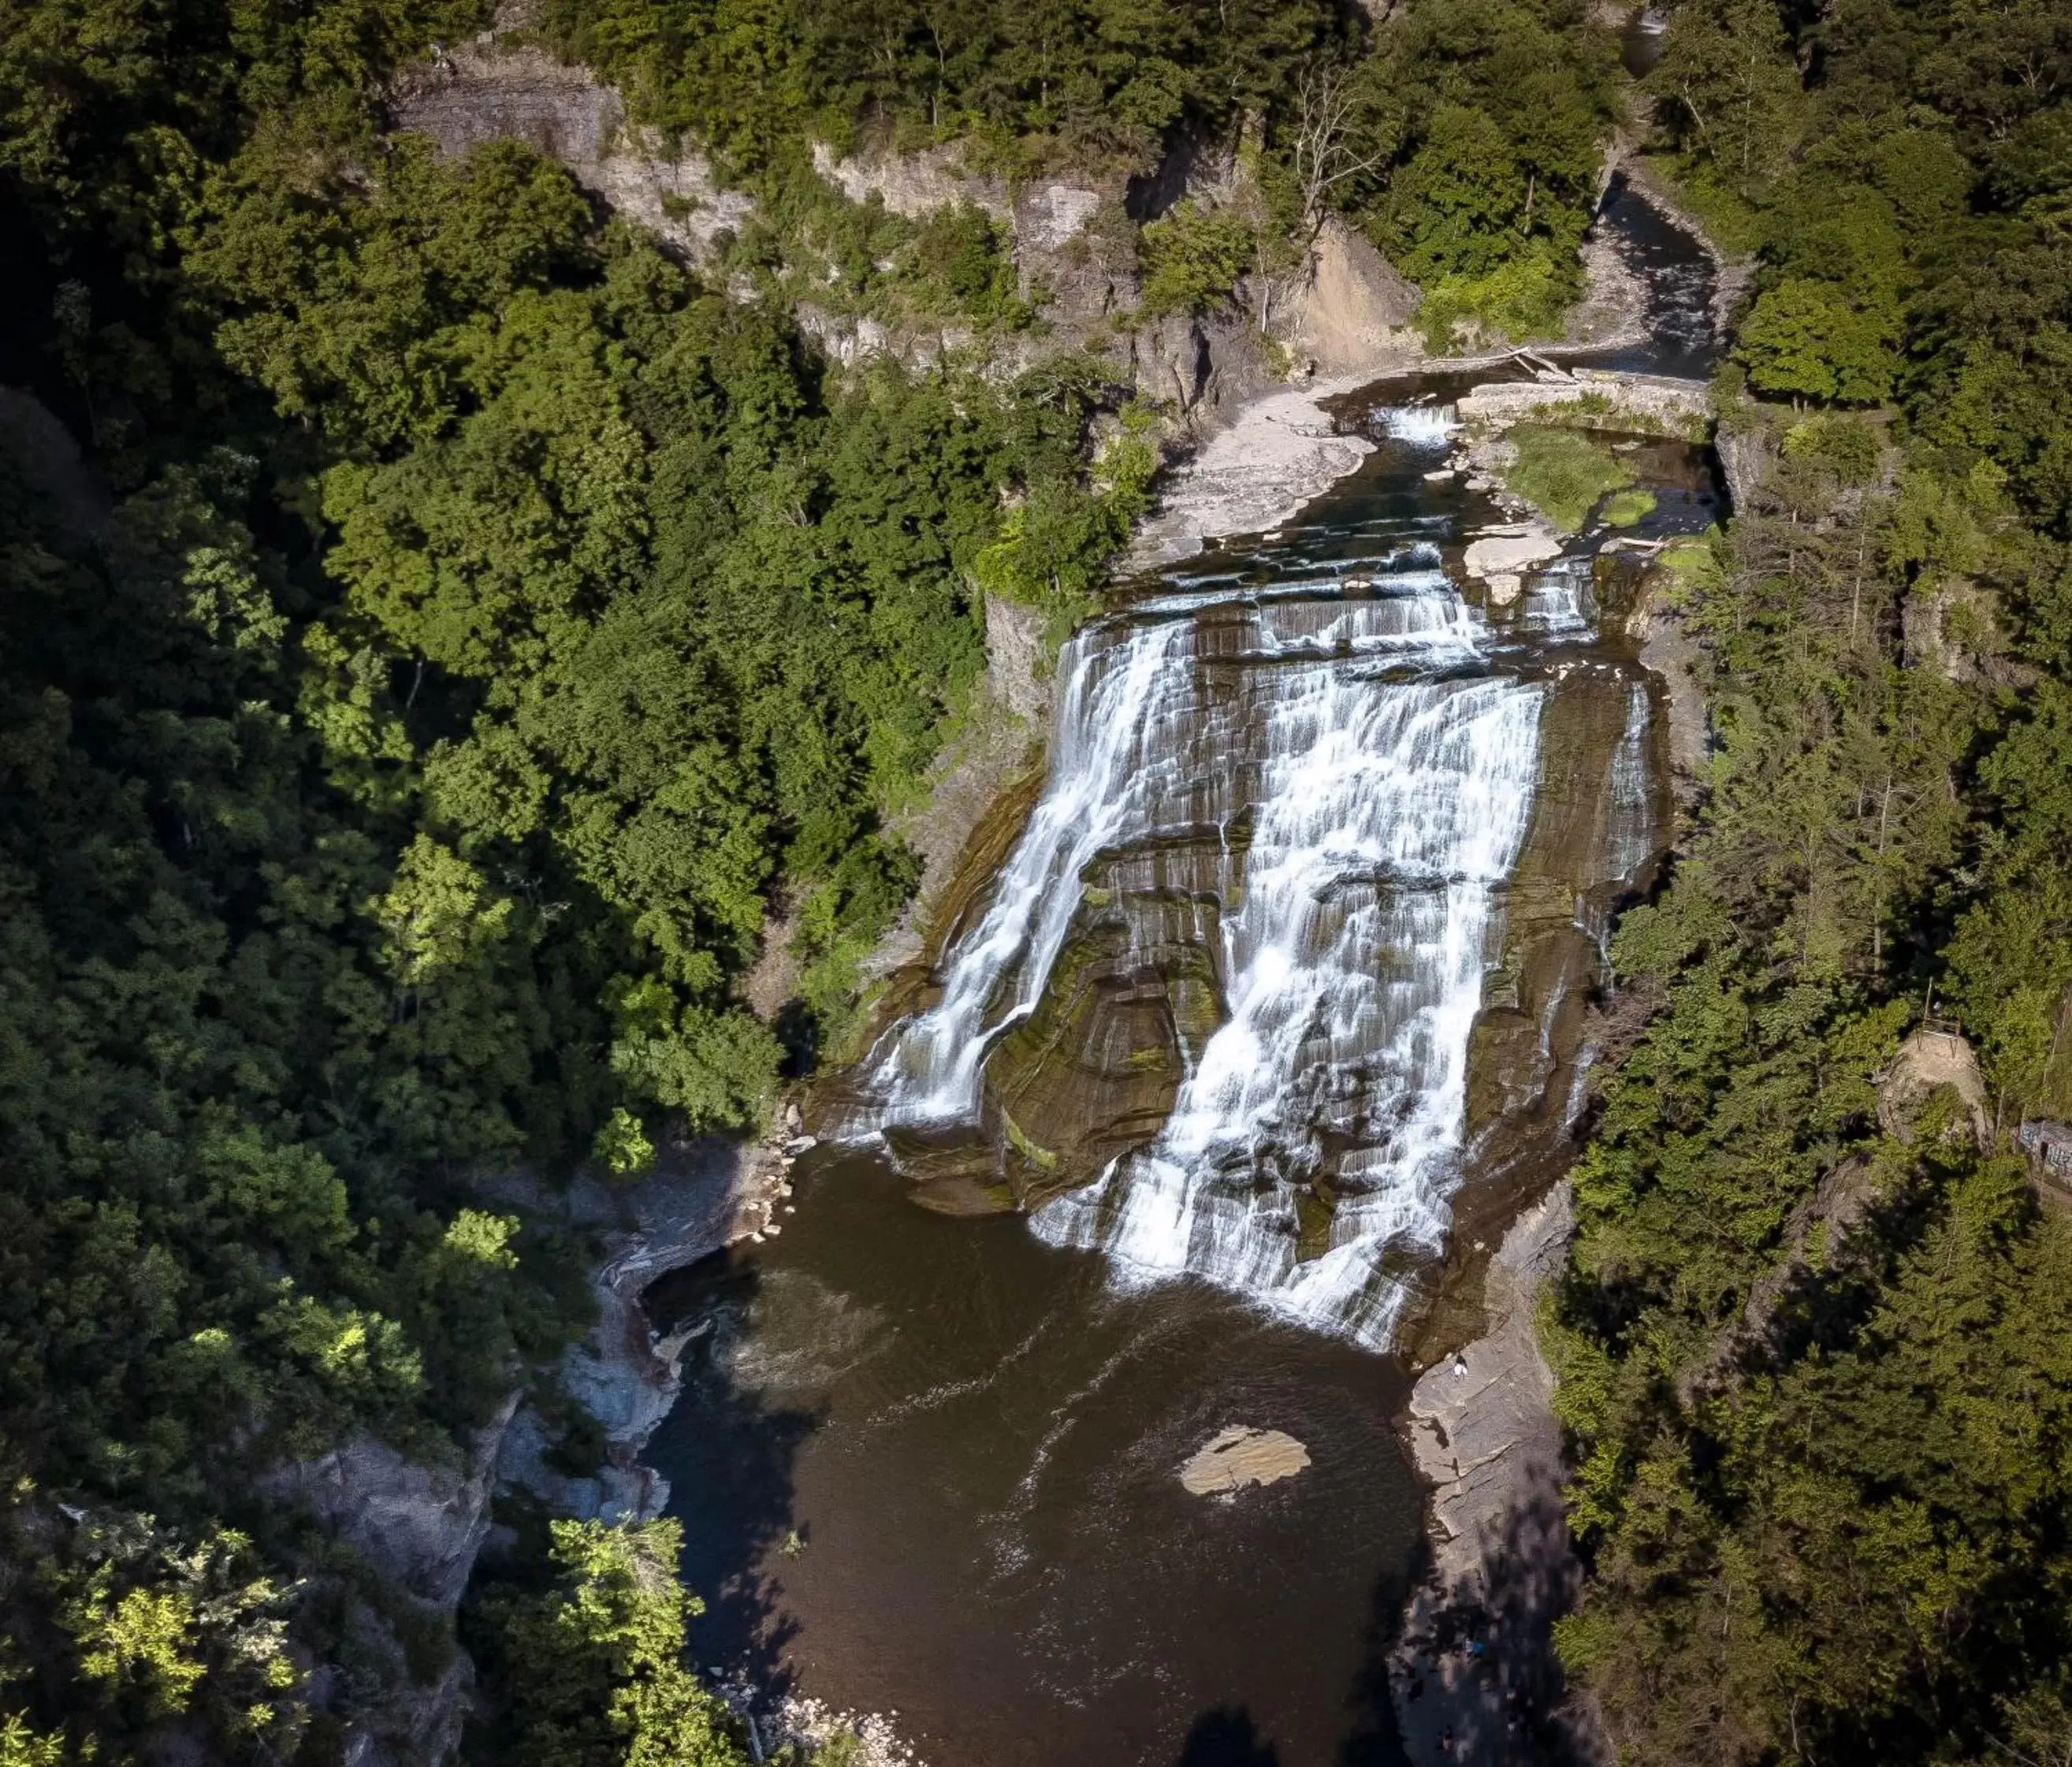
(1928, 1061)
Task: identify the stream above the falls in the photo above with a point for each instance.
(1287, 968)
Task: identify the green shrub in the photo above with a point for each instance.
(1624, 509)
(1564, 473)
(1192, 259)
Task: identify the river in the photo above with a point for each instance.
(1285, 971)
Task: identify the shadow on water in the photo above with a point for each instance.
(1376, 1740)
(731, 1445)
(1227, 1737)
(977, 1440)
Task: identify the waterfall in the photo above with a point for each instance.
(1385, 775)
(1557, 605)
(1115, 720)
(1629, 834)
(1390, 815)
(1422, 426)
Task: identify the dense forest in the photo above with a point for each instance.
(440, 633)
(1815, 1344)
(460, 629)
(1466, 139)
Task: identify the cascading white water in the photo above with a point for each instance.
(1557, 601)
(1422, 425)
(1628, 837)
(1316, 764)
(1389, 816)
(1386, 777)
(1110, 728)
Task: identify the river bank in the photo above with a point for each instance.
(1473, 1673)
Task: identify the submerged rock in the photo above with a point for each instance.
(1238, 1455)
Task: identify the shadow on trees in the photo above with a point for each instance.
(729, 1454)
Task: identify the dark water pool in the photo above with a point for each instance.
(929, 1466)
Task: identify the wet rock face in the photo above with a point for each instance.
(1093, 1071)
(1593, 839)
(1296, 946)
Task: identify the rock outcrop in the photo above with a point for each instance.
(1636, 404)
(1671, 654)
(1745, 452)
(1501, 555)
(915, 185)
(1529, 1038)
(1352, 309)
(1928, 1061)
(1238, 1456)
(490, 91)
(704, 1197)
(970, 810)
(1475, 1658)
(1282, 452)
(416, 1528)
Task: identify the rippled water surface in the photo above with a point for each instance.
(978, 1439)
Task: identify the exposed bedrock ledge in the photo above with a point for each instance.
(705, 1196)
(998, 744)
(1671, 655)
(1475, 1661)
(1527, 1043)
(487, 91)
(1608, 399)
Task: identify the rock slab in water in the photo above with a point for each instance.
(1505, 551)
(1238, 1455)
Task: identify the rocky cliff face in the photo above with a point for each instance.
(1529, 1038)
(1475, 1662)
(400, 1538)
(488, 91)
(415, 1530)
(624, 1377)
(1073, 238)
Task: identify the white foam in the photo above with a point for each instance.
(1386, 808)
(1391, 814)
(1422, 425)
